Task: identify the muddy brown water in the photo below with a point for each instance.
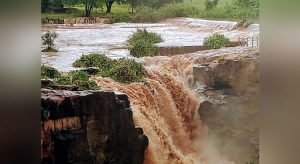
(110, 39)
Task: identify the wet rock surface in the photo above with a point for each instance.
(239, 73)
(230, 110)
(89, 127)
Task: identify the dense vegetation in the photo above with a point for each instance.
(215, 41)
(49, 72)
(78, 78)
(48, 41)
(211, 4)
(121, 70)
(142, 43)
(156, 10)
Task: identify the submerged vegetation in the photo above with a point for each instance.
(121, 70)
(216, 41)
(142, 43)
(48, 41)
(143, 34)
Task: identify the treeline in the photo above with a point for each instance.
(58, 5)
(156, 10)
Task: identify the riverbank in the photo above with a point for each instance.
(225, 10)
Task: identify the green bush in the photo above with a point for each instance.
(64, 79)
(78, 78)
(144, 35)
(210, 4)
(49, 72)
(142, 43)
(143, 48)
(119, 17)
(126, 71)
(121, 70)
(178, 10)
(145, 14)
(231, 11)
(248, 3)
(48, 41)
(216, 41)
(81, 78)
(93, 60)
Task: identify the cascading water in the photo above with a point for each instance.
(164, 106)
(166, 110)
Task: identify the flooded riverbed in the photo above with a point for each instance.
(110, 39)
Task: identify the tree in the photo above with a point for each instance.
(88, 4)
(109, 4)
(44, 5)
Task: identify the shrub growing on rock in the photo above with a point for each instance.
(126, 71)
(48, 41)
(143, 48)
(81, 78)
(93, 60)
(121, 70)
(78, 78)
(216, 41)
(49, 72)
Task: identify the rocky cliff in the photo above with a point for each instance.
(89, 127)
(240, 73)
(230, 110)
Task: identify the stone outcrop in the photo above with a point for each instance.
(89, 127)
(230, 88)
(238, 73)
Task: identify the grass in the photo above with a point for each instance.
(225, 10)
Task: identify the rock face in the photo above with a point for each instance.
(238, 73)
(89, 127)
(231, 107)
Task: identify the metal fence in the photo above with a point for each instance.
(250, 41)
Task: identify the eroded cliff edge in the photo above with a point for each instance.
(229, 86)
(89, 127)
